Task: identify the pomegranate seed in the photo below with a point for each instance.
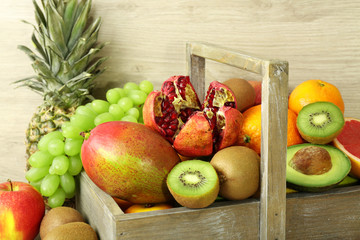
(173, 115)
(167, 119)
(169, 132)
(173, 127)
(164, 125)
(159, 120)
(189, 111)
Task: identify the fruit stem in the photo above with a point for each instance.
(85, 135)
(11, 186)
(148, 205)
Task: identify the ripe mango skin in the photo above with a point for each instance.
(129, 161)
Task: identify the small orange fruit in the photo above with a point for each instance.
(250, 134)
(147, 207)
(314, 91)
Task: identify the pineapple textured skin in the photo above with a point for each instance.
(64, 61)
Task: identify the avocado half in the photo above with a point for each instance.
(341, 166)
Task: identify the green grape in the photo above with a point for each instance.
(133, 112)
(129, 118)
(89, 105)
(131, 86)
(57, 199)
(83, 122)
(44, 141)
(121, 91)
(113, 96)
(137, 96)
(104, 117)
(146, 86)
(67, 183)
(71, 131)
(35, 174)
(71, 195)
(100, 106)
(72, 146)
(41, 158)
(36, 184)
(75, 165)
(116, 111)
(49, 185)
(52, 170)
(60, 165)
(85, 111)
(126, 103)
(56, 147)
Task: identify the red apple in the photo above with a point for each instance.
(21, 211)
(257, 86)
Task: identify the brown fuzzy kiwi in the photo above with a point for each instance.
(58, 216)
(72, 231)
(244, 92)
(238, 168)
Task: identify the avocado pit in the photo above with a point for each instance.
(311, 160)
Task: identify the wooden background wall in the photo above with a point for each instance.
(320, 39)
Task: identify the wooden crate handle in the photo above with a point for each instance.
(274, 111)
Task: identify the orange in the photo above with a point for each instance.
(250, 133)
(348, 141)
(314, 91)
(147, 207)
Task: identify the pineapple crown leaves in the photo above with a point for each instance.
(66, 43)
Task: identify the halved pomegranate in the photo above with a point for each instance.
(193, 129)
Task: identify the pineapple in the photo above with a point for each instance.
(65, 64)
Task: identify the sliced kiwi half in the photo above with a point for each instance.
(193, 183)
(320, 122)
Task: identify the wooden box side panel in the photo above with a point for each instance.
(330, 215)
(229, 220)
(334, 214)
(97, 207)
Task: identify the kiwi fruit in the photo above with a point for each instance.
(244, 92)
(320, 122)
(58, 216)
(72, 231)
(193, 183)
(238, 168)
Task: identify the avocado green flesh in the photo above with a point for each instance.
(341, 166)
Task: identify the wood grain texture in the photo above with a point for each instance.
(273, 156)
(319, 39)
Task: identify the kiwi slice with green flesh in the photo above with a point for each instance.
(320, 122)
(193, 183)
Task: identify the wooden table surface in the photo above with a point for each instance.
(320, 39)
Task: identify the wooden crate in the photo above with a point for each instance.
(330, 215)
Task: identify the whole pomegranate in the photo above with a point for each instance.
(194, 129)
(129, 161)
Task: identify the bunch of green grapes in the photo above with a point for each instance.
(58, 160)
